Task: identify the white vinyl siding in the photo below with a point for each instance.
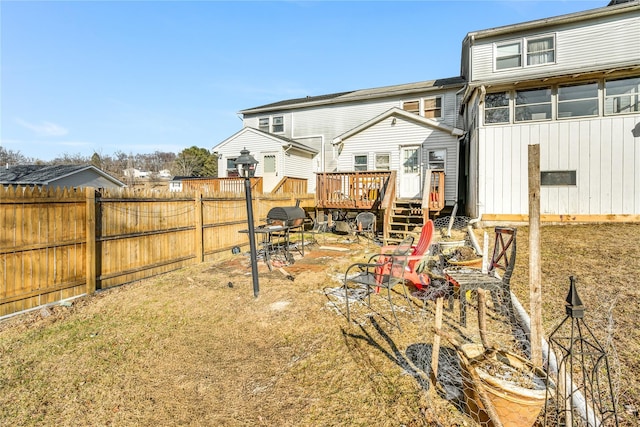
(578, 47)
(384, 138)
(603, 153)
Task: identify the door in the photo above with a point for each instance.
(410, 179)
(269, 171)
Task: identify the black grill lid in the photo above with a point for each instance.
(286, 213)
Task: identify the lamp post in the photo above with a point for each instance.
(246, 166)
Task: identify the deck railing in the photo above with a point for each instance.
(354, 190)
(433, 192)
(290, 185)
(221, 185)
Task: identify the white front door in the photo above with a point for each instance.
(410, 172)
(269, 171)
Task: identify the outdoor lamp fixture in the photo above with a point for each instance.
(246, 166)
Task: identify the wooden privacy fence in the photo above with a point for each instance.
(58, 244)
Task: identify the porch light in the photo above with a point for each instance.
(246, 164)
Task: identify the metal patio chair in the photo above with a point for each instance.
(381, 272)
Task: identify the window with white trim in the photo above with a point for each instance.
(541, 50)
(533, 104)
(383, 162)
(578, 100)
(496, 108)
(360, 162)
(263, 124)
(411, 106)
(278, 124)
(527, 52)
(432, 107)
(508, 55)
(622, 96)
(436, 159)
(232, 169)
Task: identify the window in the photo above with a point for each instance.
(496, 108)
(508, 55)
(433, 107)
(263, 124)
(622, 96)
(360, 162)
(578, 100)
(541, 50)
(278, 124)
(558, 178)
(382, 162)
(411, 106)
(534, 104)
(232, 170)
(269, 165)
(437, 159)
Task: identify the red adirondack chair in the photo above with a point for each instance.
(419, 280)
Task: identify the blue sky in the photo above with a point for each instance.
(88, 76)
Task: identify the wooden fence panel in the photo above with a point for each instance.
(142, 234)
(42, 238)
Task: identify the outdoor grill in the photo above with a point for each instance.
(288, 216)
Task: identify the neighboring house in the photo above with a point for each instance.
(571, 84)
(325, 125)
(69, 176)
(164, 173)
(136, 173)
(277, 156)
(176, 183)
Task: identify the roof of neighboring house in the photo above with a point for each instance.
(358, 95)
(286, 142)
(397, 112)
(47, 174)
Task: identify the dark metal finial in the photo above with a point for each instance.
(574, 307)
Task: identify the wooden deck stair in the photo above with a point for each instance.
(406, 219)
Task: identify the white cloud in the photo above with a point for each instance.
(43, 128)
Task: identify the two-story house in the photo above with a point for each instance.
(571, 84)
(406, 128)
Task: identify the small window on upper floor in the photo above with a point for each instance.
(541, 50)
(533, 104)
(433, 107)
(411, 106)
(263, 124)
(278, 124)
(508, 55)
(622, 96)
(526, 52)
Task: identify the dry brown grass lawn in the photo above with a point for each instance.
(194, 347)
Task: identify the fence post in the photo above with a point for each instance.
(199, 229)
(91, 255)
